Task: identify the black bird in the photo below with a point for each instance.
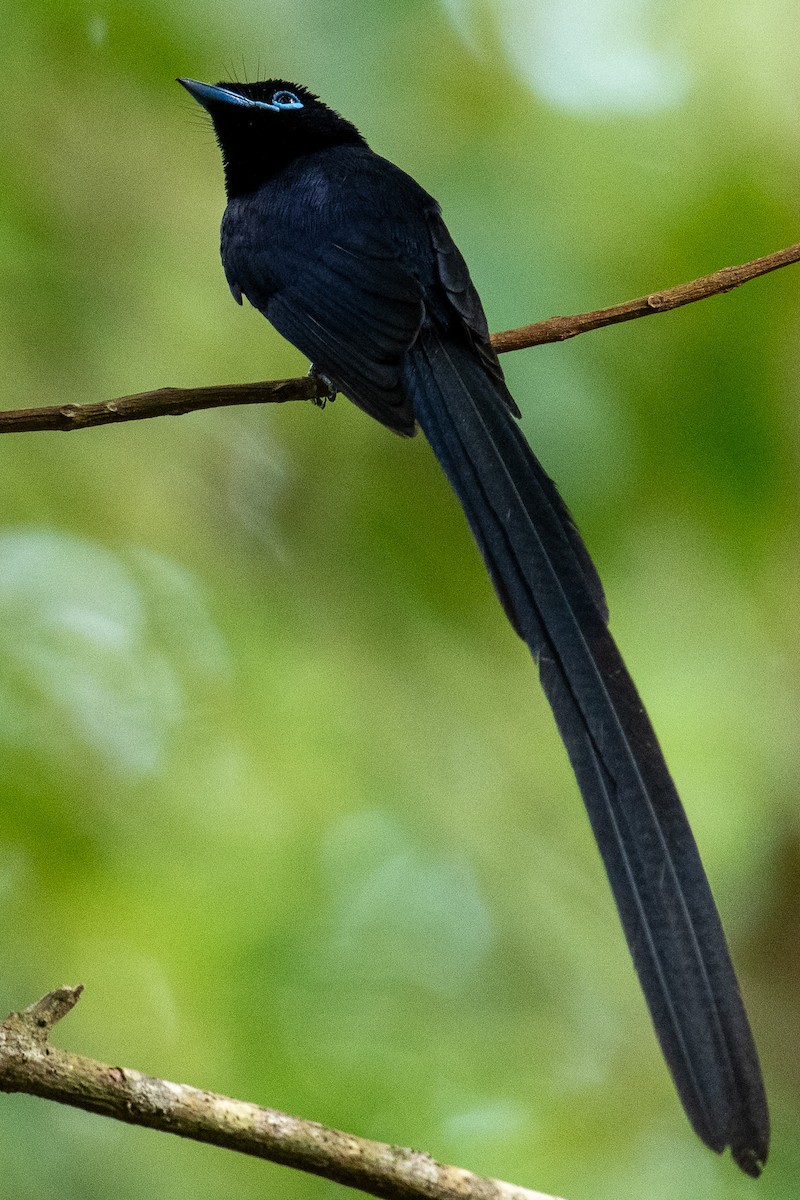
(351, 261)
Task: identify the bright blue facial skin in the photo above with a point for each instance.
(207, 93)
(286, 100)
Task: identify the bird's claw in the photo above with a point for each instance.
(331, 391)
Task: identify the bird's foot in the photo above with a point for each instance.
(331, 391)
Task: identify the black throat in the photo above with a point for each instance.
(257, 146)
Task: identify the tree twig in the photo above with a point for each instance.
(177, 401)
(560, 329)
(165, 402)
(28, 1063)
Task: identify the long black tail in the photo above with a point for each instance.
(551, 592)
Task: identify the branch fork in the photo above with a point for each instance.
(28, 1063)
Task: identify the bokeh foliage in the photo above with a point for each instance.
(278, 784)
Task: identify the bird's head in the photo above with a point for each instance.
(262, 127)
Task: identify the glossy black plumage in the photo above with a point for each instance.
(350, 260)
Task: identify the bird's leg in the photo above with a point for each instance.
(331, 390)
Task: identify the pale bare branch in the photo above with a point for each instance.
(28, 1063)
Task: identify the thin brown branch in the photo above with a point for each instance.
(559, 329)
(28, 1063)
(177, 401)
(165, 402)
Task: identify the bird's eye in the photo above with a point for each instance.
(286, 100)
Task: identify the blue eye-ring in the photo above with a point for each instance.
(286, 100)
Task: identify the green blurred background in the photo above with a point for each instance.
(279, 786)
